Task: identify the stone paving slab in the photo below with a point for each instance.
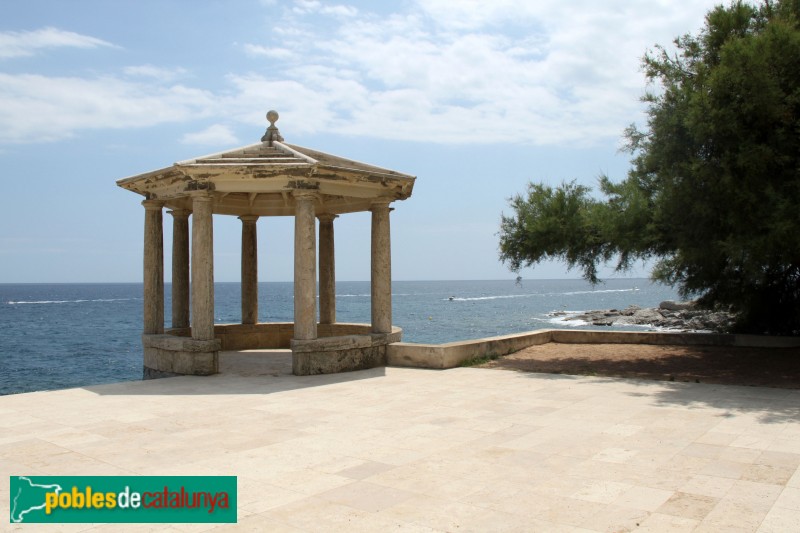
(425, 450)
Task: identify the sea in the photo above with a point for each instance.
(55, 336)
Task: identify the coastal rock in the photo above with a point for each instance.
(678, 316)
(647, 316)
(671, 305)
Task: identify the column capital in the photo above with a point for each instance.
(327, 217)
(305, 194)
(381, 203)
(248, 218)
(153, 204)
(201, 196)
(180, 213)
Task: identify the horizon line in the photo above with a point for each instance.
(340, 281)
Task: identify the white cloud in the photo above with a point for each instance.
(561, 73)
(303, 7)
(28, 43)
(266, 51)
(473, 14)
(311, 111)
(215, 135)
(469, 71)
(35, 108)
(339, 10)
(151, 71)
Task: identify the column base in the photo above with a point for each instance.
(167, 355)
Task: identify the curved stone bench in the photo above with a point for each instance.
(339, 347)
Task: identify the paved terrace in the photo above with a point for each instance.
(425, 450)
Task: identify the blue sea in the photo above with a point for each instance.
(55, 336)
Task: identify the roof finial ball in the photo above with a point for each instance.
(272, 133)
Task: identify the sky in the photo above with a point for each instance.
(474, 98)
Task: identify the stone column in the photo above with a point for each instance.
(381, 272)
(249, 269)
(153, 267)
(327, 271)
(180, 268)
(202, 268)
(305, 272)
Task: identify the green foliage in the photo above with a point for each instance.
(713, 194)
(478, 360)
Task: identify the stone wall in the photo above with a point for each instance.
(340, 347)
(450, 355)
(169, 355)
(341, 353)
(270, 335)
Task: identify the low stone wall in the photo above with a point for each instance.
(345, 346)
(253, 336)
(452, 354)
(329, 355)
(170, 355)
(271, 335)
(339, 347)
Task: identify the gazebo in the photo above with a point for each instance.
(269, 178)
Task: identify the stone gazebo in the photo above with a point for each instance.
(270, 178)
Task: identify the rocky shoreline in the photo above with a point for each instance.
(677, 316)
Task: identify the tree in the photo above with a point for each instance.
(713, 193)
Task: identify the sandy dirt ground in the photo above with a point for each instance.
(766, 367)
